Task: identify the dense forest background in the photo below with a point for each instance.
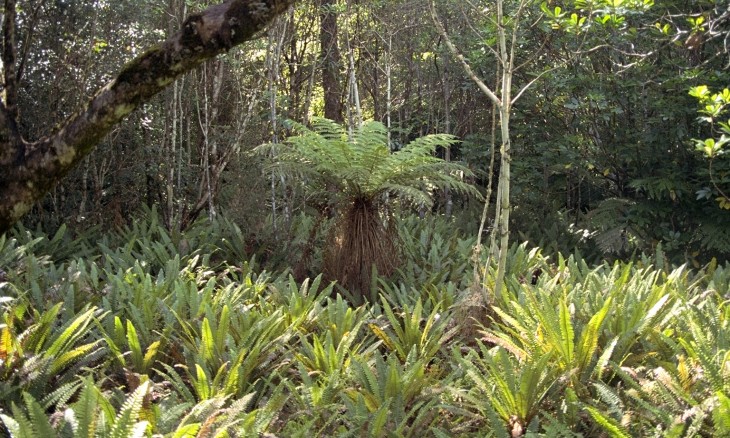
(503, 218)
(603, 158)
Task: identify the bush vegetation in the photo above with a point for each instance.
(144, 333)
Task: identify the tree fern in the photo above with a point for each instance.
(360, 176)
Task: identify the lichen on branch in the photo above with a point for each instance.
(29, 169)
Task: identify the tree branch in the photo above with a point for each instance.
(529, 84)
(10, 88)
(31, 23)
(467, 68)
(31, 169)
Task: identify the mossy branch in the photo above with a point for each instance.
(30, 169)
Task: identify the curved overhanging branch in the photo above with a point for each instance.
(29, 170)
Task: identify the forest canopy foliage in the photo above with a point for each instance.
(603, 156)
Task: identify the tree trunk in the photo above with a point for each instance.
(30, 169)
(330, 61)
(507, 62)
(503, 104)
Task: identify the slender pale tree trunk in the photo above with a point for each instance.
(447, 130)
(389, 89)
(478, 279)
(84, 191)
(204, 124)
(353, 96)
(206, 118)
(507, 60)
(212, 185)
(170, 184)
(273, 77)
(310, 92)
(503, 104)
(277, 34)
(354, 91)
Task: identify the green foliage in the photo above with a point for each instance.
(413, 333)
(44, 354)
(622, 349)
(515, 389)
(390, 397)
(434, 253)
(90, 416)
(363, 166)
(713, 106)
(356, 176)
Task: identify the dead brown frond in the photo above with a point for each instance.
(363, 237)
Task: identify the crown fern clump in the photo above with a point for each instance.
(359, 177)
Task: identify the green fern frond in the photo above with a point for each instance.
(608, 424)
(364, 166)
(37, 415)
(607, 395)
(86, 410)
(611, 222)
(171, 375)
(61, 395)
(714, 236)
(556, 428)
(187, 431)
(126, 424)
(19, 424)
(721, 415)
(73, 331)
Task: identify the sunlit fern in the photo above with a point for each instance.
(91, 415)
(358, 177)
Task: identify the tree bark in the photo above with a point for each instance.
(330, 61)
(503, 104)
(30, 169)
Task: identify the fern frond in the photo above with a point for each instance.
(364, 165)
(721, 415)
(608, 424)
(19, 424)
(61, 395)
(126, 424)
(37, 415)
(172, 376)
(610, 219)
(86, 410)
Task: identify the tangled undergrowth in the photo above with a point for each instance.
(143, 333)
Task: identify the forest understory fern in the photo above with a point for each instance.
(180, 348)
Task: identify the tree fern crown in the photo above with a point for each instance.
(362, 166)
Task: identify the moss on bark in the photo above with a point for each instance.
(28, 171)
